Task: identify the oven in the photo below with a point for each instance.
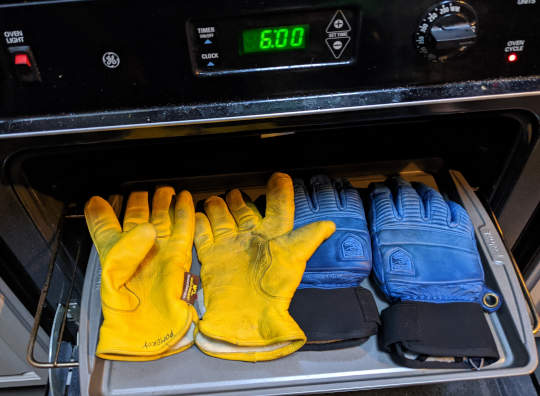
(103, 98)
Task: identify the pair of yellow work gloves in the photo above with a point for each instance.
(251, 267)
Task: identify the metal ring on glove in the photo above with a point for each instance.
(490, 300)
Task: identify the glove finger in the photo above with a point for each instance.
(350, 199)
(102, 223)
(382, 208)
(303, 206)
(246, 217)
(203, 233)
(303, 241)
(161, 205)
(324, 194)
(408, 203)
(434, 204)
(279, 215)
(460, 218)
(137, 210)
(181, 239)
(221, 220)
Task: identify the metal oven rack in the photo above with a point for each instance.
(307, 374)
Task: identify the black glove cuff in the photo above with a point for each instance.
(335, 318)
(428, 335)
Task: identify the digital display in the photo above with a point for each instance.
(275, 38)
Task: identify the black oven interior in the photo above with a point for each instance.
(54, 182)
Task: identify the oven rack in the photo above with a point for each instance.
(67, 309)
(362, 367)
(64, 309)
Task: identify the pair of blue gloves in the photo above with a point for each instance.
(425, 261)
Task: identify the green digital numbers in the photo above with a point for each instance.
(297, 37)
(270, 39)
(266, 39)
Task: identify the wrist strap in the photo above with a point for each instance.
(429, 335)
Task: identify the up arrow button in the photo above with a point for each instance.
(338, 23)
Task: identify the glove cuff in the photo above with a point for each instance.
(122, 337)
(105, 351)
(430, 335)
(226, 341)
(335, 319)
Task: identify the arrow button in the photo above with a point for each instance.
(337, 45)
(338, 23)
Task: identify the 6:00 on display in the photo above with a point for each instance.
(274, 38)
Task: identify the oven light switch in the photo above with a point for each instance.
(22, 60)
(24, 65)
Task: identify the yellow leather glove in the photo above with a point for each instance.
(251, 267)
(142, 276)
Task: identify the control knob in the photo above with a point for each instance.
(446, 30)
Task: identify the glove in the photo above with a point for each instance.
(251, 267)
(143, 265)
(330, 306)
(344, 260)
(426, 263)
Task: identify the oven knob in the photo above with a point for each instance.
(446, 30)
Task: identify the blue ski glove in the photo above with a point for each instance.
(427, 263)
(344, 259)
(330, 305)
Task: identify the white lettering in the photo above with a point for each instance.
(210, 29)
(338, 34)
(432, 16)
(13, 33)
(15, 40)
(515, 46)
(211, 55)
(14, 36)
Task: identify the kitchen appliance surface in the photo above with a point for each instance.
(104, 98)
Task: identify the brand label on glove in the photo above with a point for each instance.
(191, 284)
(401, 262)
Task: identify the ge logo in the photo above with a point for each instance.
(338, 23)
(111, 60)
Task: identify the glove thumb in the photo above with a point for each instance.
(303, 242)
(121, 262)
(289, 253)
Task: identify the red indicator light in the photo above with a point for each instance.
(22, 59)
(512, 57)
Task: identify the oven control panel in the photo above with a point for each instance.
(83, 56)
(296, 40)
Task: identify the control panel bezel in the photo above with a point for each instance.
(215, 44)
